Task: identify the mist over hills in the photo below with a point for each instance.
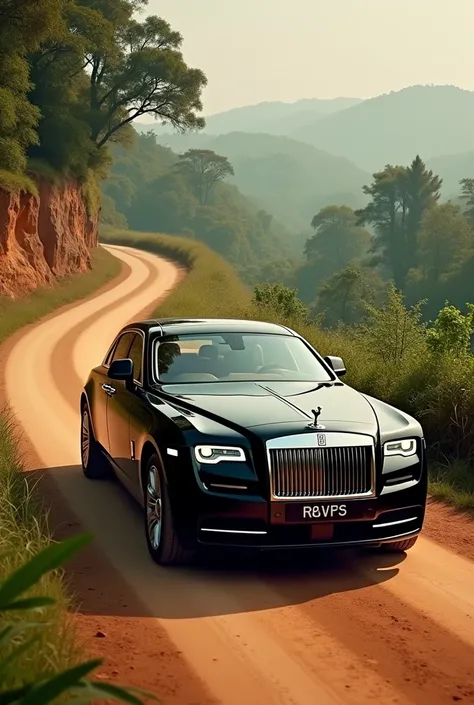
(392, 128)
(290, 179)
(274, 117)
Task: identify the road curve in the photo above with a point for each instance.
(343, 629)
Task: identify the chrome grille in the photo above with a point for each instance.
(321, 472)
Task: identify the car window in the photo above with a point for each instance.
(136, 354)
(123, 346)
(237, 357)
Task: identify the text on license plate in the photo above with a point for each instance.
(324, 511)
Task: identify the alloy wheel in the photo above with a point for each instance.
(154, 507)
(85, 438)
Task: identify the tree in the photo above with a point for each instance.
(445, 241)
(204, 168)
(399, 198)
(422, 193)
(467, 194)
(342, 297)
(23, 26)
(281, 300)
(394, 333)
(337, 239)
(452, 330)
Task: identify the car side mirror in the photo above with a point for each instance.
(336, 364)
(121, 369)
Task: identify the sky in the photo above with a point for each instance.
(263, 50)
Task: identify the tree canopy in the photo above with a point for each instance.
(74, 75)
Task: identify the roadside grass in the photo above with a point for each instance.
(23, 521)
(438, 389)
(453, 483)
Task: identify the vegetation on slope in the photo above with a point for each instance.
(23, 528)
(153, 189)
(286, 177)
(393, 355)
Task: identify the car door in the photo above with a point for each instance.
(139, 418)
(118, 407)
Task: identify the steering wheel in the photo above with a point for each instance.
(269, 368)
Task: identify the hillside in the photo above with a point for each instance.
(290, 179)
(276, 117)
(427, 120)
(149, 191)
(452, 168)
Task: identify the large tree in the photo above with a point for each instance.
(88, 77)
(399, 197)
(467, 195)
(204, 169)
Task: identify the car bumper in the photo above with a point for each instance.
(256, 523)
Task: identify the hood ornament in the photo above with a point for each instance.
(314, 424)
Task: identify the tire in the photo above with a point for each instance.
(398, 546)
(163, 543)
(94, 465)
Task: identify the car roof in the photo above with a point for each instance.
(192, 326)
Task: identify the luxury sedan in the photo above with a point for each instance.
(239, 434)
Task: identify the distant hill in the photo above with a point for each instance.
(428, 120)
(288, 178)
(276, 118)
(452, 168)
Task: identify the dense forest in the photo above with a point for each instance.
(75, 74)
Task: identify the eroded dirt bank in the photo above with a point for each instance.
(339, 629)
(44, 236)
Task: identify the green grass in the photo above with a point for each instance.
(436, 389)
(453, 483)
(13, 183)
(23, 523)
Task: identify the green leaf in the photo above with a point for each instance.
(50, 558)
(46, 692)
(27, 604)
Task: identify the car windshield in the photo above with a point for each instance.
(236, 357)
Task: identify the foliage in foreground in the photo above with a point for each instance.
(20, 634)
(426, 371)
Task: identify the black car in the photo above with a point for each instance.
(238, 433)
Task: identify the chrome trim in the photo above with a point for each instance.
(228, 487)
(231, 531)
(394, 523)
(312, 441)
(108, 389)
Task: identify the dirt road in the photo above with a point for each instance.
(340, 629)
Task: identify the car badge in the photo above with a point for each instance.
(314, 424)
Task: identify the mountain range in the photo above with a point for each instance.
(295, 157)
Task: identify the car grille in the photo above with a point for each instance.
(321, 472)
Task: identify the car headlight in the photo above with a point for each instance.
(215, 454)
(406, 447)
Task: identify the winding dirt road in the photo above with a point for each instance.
(339, 629)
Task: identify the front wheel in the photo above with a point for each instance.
(162, 540)
(398, 546)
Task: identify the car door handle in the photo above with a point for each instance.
(108, 389)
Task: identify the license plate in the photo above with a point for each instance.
(316, 512)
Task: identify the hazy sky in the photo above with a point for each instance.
(257, 50)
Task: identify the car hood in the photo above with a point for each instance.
(252, 404)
